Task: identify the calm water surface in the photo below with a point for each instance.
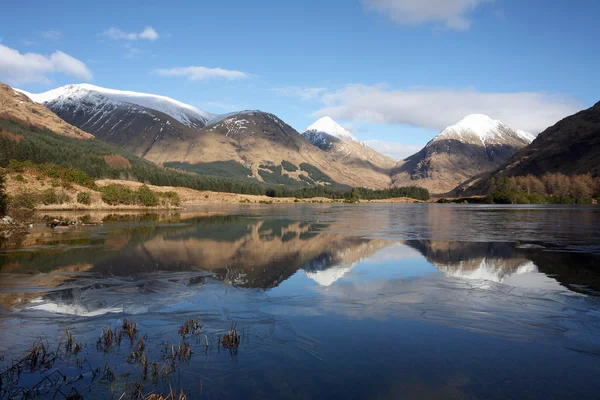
(367, 301)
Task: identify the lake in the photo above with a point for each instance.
(329, 301)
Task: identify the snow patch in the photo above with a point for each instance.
(481, 129)
(331, 128)
(184, 113)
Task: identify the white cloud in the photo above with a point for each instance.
(51, 34)
(147, 34)
(397, 151)
(438, 108)
(31, 67)
(300, 92)
(70, 65)
(450, 14)
(198, 73)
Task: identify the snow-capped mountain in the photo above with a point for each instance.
(325, 132)
(341, 146)
(329, 276)
(474, 145)
(95, 97)
(479, 129)
(120, 117)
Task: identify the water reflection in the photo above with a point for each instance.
(532, 267)
(261, 253)
(315, 299)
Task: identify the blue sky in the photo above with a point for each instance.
(394, 72)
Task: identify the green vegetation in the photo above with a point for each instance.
(23, 200)
(84, 198)
(354, 196)
(143, 196)
(222, 169)
(3, 196)
(276, 176)
(413, 192)
(288, 166)
(51, 196)
(550, 189)
(315, 173)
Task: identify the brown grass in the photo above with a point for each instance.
(20, 109)
(190, 326)
(10, 135)
(117, 161)
(130, 328)
(231, 339)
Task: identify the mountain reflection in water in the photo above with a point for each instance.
(313, 298)
(263, 253)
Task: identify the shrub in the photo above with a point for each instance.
(147, 197)
(553, 188)
(84, 198)
(117, 194)
(170, 199)
(25, 199)
(288, 166)
(51, 196)
(19, 178)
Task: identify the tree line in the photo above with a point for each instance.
(551, 188)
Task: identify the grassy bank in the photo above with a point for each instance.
(44, 187)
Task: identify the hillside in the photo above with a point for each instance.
(342, 147)
(17, 107)
(570, 147)
(473, 146)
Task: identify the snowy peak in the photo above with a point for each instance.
(330, 127)
(184, 113)
(525, 135)
(482, 130)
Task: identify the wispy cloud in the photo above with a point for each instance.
(17, 68)
(397, 151)
(436, 108)
(198, 73)
(449, 14)
(149, 33)
(131, 51)
(29, 42)
(300, 92)
(52, 34)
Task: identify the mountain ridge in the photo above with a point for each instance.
(474, 145)
(245, 144)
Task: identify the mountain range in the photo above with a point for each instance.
(245, 145)
(257, 146)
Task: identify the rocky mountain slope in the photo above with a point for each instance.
(474, 145)
(248, 144)
(342, 147)
(571, 146)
